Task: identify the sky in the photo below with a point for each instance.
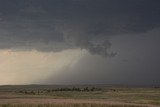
(80, 42)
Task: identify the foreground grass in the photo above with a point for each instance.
(128, 95)
(66, 105)
(125, 95)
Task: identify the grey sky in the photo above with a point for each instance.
(121, 37)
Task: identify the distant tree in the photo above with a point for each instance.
(25, 92)
(38, 92)
(92, 89)
(86, 89)
(48, 91)
(32, 92)
(20, 91)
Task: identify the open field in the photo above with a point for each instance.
(78, 96)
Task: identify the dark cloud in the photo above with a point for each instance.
(60, 24)
(137, 63)
(102, 27)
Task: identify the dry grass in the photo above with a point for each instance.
(66, 105)
(10, 96)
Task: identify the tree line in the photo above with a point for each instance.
(85, 89)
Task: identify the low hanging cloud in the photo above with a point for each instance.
(49, 35)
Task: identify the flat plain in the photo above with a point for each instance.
(78, 96)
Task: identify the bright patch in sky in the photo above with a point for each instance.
(25, 67)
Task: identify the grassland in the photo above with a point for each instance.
(67, 105)
(82, 96)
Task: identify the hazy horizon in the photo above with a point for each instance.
(80, 42)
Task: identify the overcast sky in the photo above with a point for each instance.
(80, 42)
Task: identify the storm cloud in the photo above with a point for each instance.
(120, 38)
(58, 25)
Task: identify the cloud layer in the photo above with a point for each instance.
(66, 39)
(59, 25)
